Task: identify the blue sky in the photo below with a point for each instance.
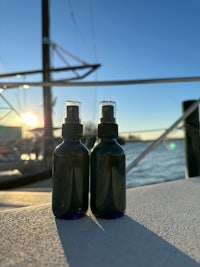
(132, 39)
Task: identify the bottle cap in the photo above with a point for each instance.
(71, 127)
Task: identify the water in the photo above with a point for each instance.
(165, 163)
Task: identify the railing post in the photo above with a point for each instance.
(192, 141)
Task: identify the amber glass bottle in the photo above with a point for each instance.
(70, 170)
(108, 177)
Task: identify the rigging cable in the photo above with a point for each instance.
(4, 68)
(69, 53)
(95, 57)
(72, 13)
(78, 30)
(63, 59)
(93, 30)
(73, 18)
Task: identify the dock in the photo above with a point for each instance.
(161, 227)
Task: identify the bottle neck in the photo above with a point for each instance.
(108, 140)
(72, 140)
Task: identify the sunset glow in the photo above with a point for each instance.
(29, 119)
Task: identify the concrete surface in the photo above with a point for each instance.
(161, 228)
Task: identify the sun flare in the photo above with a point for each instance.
(29, 119)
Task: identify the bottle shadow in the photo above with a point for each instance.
(122, 242)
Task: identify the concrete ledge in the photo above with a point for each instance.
(161, 228)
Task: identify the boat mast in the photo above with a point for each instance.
(48, 129)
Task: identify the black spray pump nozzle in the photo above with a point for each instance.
(72, 114)
(71, 127)
(107, 127)
(107, 112)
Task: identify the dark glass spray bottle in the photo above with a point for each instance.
(70, 170)
(108, 177)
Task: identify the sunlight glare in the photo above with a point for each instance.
(171, 146)
(29, 119)
(25, 86)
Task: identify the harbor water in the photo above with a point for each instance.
(166, 162)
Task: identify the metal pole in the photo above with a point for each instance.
(48, 132)
(192, 141)
(6, 85)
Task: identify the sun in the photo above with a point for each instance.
(29, 119)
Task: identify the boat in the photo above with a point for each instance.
(32, 154)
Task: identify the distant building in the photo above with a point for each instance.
(10, 133)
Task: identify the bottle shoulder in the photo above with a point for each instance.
(69, 147)
(111, 146)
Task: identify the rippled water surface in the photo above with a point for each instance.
(166, 162)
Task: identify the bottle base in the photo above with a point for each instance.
(110, 216)
(71, 216)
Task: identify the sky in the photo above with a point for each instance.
(131, 39)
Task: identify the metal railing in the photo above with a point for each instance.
(163, 136)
